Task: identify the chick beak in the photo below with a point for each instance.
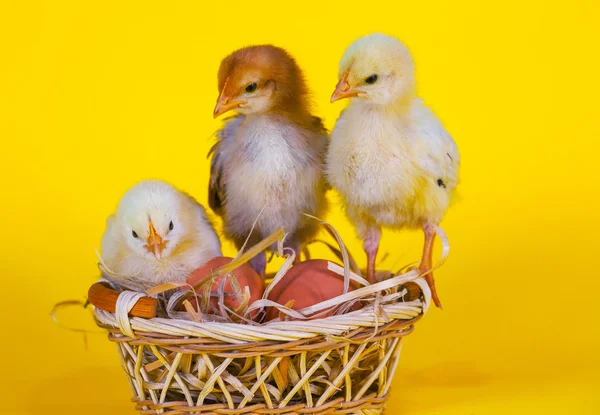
(343, 90)
(155, 244)
(225, 104)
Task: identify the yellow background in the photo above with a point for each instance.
(97, 95)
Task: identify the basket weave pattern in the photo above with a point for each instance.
(342, 364)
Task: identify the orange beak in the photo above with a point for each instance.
(155, 244)
(225, 104)
(343, 90)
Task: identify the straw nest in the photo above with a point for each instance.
(194, 363)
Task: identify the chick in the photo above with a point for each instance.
(271, 154)
(157, 235)
(389, 155)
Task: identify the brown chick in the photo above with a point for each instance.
(270, 156)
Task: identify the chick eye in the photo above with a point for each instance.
(171, 225)
(251, 87)
(371, 79)
(135, 235)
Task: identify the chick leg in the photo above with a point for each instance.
(259, 264)
(371, 246)
(298, 250)
(427, 261)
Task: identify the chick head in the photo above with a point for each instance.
(376, 68)
(257, 79)
(150, 219)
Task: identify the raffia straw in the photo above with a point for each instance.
(353, 266)
(167, 286)
(246, 256)
(445, 247)
(264, 303)
(332, 266)
(332, 231)
(243, 248)
(236, 263)
(361, 292)
(314, 311)
(291, 257)
(221, 296)
(196, 316)
(66, 304)
(343, 249)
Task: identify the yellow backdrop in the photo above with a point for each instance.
(97, 95)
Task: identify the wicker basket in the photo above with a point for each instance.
(341, 364)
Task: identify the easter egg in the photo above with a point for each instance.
(245, 275)
(307, 283)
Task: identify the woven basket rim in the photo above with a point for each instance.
(369, 317)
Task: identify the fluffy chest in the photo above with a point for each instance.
(371, 158)
(269, 152)
(272, 164)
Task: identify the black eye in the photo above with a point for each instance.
(371, 79)
(251, 87)
(134, 234)
(171, 226)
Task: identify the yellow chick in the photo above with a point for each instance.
(157, 235)
(389, 156)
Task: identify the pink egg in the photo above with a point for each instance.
(245, 275)
(307, 283)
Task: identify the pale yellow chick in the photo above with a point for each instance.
(157, 235)
(389, 156)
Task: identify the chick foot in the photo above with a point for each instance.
(428, 275)
(371, 246)
(425, 269)
(259, 264)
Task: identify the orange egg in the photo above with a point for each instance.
(307, 283)
(246, 277)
